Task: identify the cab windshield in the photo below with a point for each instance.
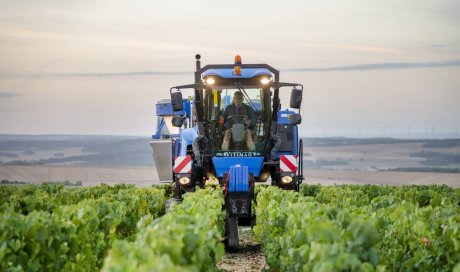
(237, 119)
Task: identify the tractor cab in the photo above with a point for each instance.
(237, 134)
(236, 119)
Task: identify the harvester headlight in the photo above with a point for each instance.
(286, 179)
(184, 181)
(210, 81)
(265, 80)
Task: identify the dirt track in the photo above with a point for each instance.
(144, 176)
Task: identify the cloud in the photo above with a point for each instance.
(8, 94)
(436, 46)
(378, 66)
(358, 67)
(123, 74)
(354, 47)
(96, 74)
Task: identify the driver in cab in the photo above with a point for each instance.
(238, 113)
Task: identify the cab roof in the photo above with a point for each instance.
(245, 73)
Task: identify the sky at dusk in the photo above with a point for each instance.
(369, 68)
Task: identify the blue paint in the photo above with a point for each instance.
(187, 136)
(283, 116)
(296, 141)
(188, 108)
(223, 164)
(245, 73)
(239, 179)
(157, 134)
(164, 108)
(176, 148)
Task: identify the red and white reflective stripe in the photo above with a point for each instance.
(183, 164)
(288, 163)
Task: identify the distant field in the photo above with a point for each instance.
(320, 153)
(112, 159)
(373, 157)
(75, 150)
(145, 176)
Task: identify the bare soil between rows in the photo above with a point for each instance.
(247, 257)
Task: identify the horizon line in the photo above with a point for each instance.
(345, 68)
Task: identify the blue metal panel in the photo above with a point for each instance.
(245, 73)
(223, 164)
(246, 179)
(283, 116)
(187, 108)
(176, 148)
(296, 140)
(296, 144)
(231, 183)
(186, 137)
(160, 126)
(164, 109)
(239, 179)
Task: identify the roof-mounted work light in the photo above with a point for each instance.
(210, 81)
(265, 80)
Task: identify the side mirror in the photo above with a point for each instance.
(295, 119)
(178, 120)
(176, 101)
(296, 98)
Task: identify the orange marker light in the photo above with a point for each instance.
(237, 60)
(237, 71)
